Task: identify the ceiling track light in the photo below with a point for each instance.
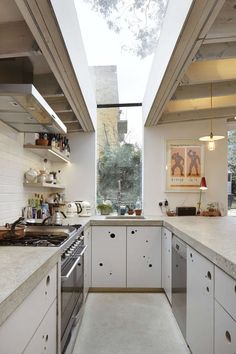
(211, 138)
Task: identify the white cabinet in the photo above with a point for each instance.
(225, 291)
(144, 257)
(225, 313)
(17, 331)
(166, 262)
(109, 256)
(87, 261)
(200, 303)
(225, 331)
(43, 340)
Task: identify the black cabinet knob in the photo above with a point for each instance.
(132, 232)
(112, 235)
(150, 265)
(101, 264)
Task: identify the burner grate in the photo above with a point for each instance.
(40, 240)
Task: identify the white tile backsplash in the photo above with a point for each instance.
(14, 161)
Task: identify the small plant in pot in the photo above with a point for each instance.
(105, 209)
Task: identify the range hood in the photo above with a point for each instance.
(25, 110)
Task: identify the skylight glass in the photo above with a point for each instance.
(122, 35)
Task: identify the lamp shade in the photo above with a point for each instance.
(203, 184)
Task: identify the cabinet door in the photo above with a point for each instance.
(200, 303)
(87, 262)
(45, 338)
(109, 256)
(20, 326)
(144, 257)
(225, 331)
(166, 262)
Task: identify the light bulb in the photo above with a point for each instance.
(211, 145)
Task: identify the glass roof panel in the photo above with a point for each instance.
(120, 37)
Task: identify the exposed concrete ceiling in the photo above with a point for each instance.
(21, 36)
(203, 85)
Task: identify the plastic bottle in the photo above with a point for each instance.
(138, 204)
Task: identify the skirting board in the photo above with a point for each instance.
(126, 290)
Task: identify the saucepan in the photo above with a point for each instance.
(12, 230)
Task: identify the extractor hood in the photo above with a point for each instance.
(25, 110)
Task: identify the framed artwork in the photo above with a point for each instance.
(184, 165)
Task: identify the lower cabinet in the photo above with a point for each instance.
(225, 313)
(34, 318)
(109, 256)
(200, 303)
(87, 261)
(144, 257)
(166, 261)
(225, 331)
(44, 339)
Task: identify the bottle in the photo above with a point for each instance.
(138, 204)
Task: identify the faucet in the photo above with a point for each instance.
(119, 197)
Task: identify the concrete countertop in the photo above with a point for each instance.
(22, 268)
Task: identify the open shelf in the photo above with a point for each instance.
(44, 185)
(47, 152)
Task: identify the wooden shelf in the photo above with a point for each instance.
(48, 152)
(44, 185)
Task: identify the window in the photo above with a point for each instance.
(119, 155)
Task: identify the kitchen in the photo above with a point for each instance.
(80, 173)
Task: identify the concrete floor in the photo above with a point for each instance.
(129, 323)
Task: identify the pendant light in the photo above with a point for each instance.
(211, 138)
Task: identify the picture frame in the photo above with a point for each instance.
(184, 165)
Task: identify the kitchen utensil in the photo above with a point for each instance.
(12, 230)
(83, 207)
(42, 177)
(71, 209)
(31, 176)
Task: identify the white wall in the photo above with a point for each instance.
(14, 161)
(79, 175)
(154, 165)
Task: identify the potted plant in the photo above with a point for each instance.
(104, 209)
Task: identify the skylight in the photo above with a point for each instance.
(122, 35)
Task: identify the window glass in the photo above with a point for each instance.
(119, 156)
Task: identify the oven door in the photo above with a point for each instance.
(72, 286)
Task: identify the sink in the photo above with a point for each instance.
(126, 217)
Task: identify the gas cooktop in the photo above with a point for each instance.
(45, 236)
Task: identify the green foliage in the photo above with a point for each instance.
(122, 163)
(140, 20)
(105, 209)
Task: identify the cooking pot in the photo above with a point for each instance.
(83, 208)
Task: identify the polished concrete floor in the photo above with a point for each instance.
(121, 323)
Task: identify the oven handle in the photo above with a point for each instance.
(65, 277)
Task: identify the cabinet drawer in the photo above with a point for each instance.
(19, 328)
(225, 291)
(225, 331)
(45, 338)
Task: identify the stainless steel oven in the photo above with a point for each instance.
(72, 288)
